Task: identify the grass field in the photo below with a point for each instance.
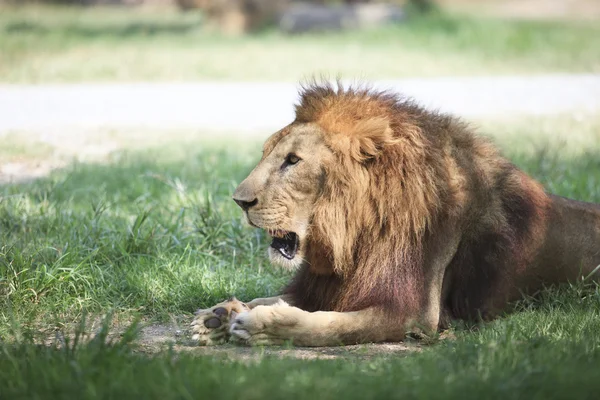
(150, 232)
(42, 44)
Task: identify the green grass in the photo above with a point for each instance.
(58, 44)
(152, 232)
(549, 351)
(145, 232)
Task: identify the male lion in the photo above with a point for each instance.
(398, 220)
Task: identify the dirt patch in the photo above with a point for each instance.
(154, 338)
(157, 337)
(31, 155)
(26, 170)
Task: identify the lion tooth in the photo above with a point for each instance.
(278, 233)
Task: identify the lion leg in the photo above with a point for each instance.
(438, 255)
(280, 323)
(271, 323)
(268, 301)
(211, 325)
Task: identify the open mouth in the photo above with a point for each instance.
(286, 243)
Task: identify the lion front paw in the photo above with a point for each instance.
(266, 325)
(211, 325)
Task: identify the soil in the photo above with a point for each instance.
(156, 337)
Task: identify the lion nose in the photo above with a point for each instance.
(245, 196)
(245, 204)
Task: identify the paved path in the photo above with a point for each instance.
(252, 107)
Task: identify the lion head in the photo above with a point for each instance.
(280, 193)
(326, 182)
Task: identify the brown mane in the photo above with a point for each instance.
(400, 172)
(381, 153)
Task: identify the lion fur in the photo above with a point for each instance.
(402, 173)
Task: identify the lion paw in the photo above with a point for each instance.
(211, 325)
(265, 325)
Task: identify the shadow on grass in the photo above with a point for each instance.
(150, 232)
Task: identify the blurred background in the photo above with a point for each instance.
(233, 65)
(275, 40)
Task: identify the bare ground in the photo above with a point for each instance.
(156, 337)
(25, 156)
(152, 338)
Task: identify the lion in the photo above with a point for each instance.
(398, 220)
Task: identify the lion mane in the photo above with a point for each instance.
(401, 174)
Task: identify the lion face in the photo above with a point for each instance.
(280, 193)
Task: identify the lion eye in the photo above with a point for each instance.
(292, 159)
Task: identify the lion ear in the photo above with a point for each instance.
(368, 137)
